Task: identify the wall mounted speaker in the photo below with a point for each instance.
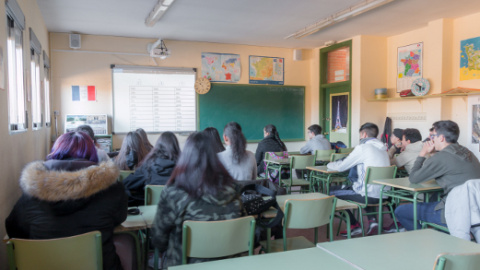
(297, 55)
(75, 41)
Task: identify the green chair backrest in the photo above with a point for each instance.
(80, 252)
(376, 173)
(267, 154)
(123, 175)
(301, 162)
(212, 239)
(324, 155)
(457, 261)
(336, 157)
(152, 194)
(306, 214)
(345, 150)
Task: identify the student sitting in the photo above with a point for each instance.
(412, 145)
(200, 188)
(451, 166)
(102, 155)
(143, 135)
(215, 138)
(239, 162)
(371, 152)
(317, 141)
(70, 194)
(133, 151)
(396, 141)
(155, 169)
(270, 143)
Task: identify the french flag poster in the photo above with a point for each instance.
(84, 93)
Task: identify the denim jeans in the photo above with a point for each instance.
(425, 212)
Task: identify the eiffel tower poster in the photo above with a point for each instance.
(339, 113)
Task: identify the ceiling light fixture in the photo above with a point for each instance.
(343, 15)
(157, 12)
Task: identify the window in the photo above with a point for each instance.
(46, 87)
(16, 92)
(35, 50)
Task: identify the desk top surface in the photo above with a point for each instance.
(322, 169)
(311, 258)
(408, 250)
(138, 222)
(404, 183)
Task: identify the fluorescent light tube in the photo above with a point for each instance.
(157, 12)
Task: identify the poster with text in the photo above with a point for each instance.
(409, 65)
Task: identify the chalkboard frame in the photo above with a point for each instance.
(299, 120)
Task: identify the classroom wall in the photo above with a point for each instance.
(90, 65)
(21, 148)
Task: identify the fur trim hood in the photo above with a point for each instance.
(38, 181)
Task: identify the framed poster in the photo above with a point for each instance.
(409, 65)
(266, 70)
(469, 59)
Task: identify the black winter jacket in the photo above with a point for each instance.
(68, 197)
(268, 144)
(156, 174)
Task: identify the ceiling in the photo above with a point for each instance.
(250, 22)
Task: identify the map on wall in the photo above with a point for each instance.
(470, 59)
(220, 67)
(409, 65)
(266, 70)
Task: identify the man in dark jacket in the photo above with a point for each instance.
(451, 166)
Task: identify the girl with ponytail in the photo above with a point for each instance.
(239, 162)
(270, 143)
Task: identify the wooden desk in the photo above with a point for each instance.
(321, 173)
(406, 191)
(407, 250)
(311, 258)
(341, 206)
(139, 222)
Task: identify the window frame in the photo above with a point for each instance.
(35, 82)
(46, 90)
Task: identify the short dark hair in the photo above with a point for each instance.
(371, 129)
(87, 129)
(412, 135)
(448, 129)
(315, 129)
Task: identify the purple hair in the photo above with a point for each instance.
(74, 145)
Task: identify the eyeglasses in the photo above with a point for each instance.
(433, 135)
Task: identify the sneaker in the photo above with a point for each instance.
(393, 229)
(354, 230)
(372, 228)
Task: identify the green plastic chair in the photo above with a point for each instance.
(80, 252)
(124, 174)
(213, 239)
(345, 150)
(298, 163)
(324, 155)
(337, 156)
(304, 214)
(152, 194)
(325, 180)
(426, 225)
(457, 261)
(376, 173)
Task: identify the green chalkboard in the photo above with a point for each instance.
(254, 107)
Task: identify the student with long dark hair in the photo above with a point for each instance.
(270, 143)
(144, 137)
(239, 162)
(155, 169)
(215, 137)
(200, 188)
(69, 194)
(133, 151)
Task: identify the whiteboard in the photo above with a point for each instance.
(156, 99)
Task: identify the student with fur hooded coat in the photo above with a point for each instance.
(70, 194)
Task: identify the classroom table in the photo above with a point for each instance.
(403, 189)
(325, 176)
(139, 222)
(407, 250)
(310, 258)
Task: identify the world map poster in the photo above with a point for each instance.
(220, 67)
(266, 70)
(470, 59)
(409, 65)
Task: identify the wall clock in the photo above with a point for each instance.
(202, 86)
(420, 87)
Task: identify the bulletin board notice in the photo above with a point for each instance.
(156, 99)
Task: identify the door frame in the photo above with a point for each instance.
(323, 98)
